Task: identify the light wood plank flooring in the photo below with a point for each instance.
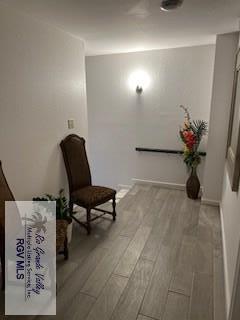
(161, 259)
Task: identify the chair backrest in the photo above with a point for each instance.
(5, 195)
(76, 162)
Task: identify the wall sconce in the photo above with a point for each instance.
(139, 80)
(139, 90)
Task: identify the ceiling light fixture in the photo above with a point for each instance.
(168, 5)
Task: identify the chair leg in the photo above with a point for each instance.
(88, 221)
(65, 251)
(71, 207)
(3, 268)
(114, 208)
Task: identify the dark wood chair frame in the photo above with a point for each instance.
(87, 225)
(2, 257)
(2, 231)
(65, 251)
(73, 202)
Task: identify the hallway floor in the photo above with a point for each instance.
(161, 259)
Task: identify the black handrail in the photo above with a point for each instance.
(203, 154)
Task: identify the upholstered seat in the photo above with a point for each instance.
(81, 190)
(92, 196)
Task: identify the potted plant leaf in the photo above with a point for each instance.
(191, 134)
(62, 209)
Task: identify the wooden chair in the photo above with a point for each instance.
(81, 190)
(5, 195)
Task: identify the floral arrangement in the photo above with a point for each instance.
(191, 135)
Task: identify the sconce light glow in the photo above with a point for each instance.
(139, 80)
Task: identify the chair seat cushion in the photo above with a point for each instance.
(92, 196)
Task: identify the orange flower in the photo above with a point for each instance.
(190, 138)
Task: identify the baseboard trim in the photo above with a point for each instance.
(210, 202)
(124, 186)
(167, 185)
(227, 290)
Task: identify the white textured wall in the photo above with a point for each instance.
(230, 214)
(119, 120)
(230, 210)
(217, 186)
(42, 84)
(226, 46)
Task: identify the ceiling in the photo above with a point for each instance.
(114, 26)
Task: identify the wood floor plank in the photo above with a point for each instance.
(131, 299)
(127, 263)
(145, 196)
(183, 274)
(178, 218)
(151, 196)
(203, 257)
(156, 295)
(134, 189)
(65, 272)
(219, 288)
(141, 317)
(138, 198)
(182, 282)
(132, 225)
(193, 208)
(161, 222)
(103, 270)
(125, 202)
(152, 208)
(114, 230)
(213, 213)
(130, 219)
(74, 284)
(83, 244)
(78, 309)
(152, 247)
(107, 301)
(138, 211)
(162, 194)
(177, 307)
(201, 305)
(157, 292)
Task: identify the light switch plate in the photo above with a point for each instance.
(70, 124)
